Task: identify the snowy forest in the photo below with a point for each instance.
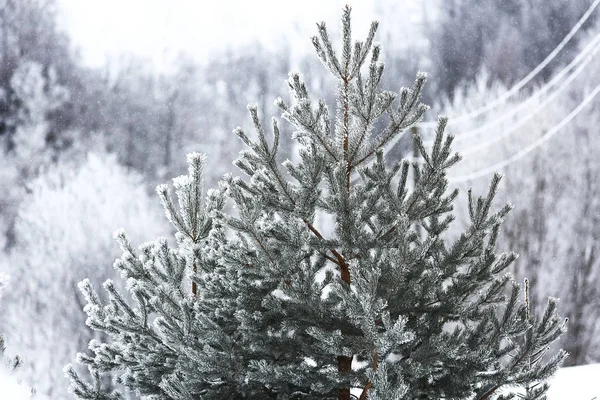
(84, 147)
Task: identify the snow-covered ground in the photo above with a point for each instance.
(574, 383)
(10, 389)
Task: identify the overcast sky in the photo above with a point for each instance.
(161, 29)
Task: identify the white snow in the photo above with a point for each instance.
(11, 389)
(576, 383)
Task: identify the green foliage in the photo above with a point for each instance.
(379, 305)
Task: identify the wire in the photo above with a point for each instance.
(532, 113)
(591, 47)
(519, 85)
(532, 146)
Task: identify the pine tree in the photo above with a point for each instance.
(378, 307)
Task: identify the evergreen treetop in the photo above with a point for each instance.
(380, 307)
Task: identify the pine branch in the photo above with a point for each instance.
(365, 391)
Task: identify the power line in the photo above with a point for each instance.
(531, 114)
(532, 146)
(591, 47)
(519, 85)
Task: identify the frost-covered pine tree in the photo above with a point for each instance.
(262, 302)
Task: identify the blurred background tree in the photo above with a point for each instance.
(506, 38)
